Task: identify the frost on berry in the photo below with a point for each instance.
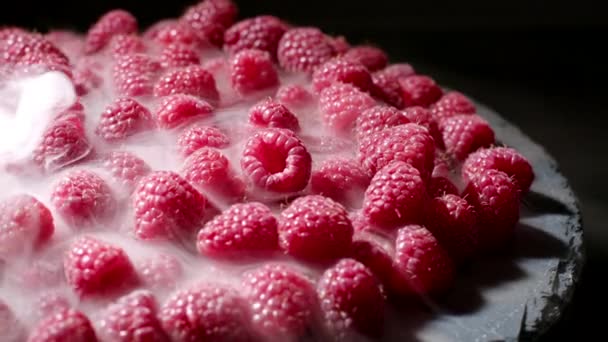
(341, 104)
(65, 325)
(199, 136)
(191, 80)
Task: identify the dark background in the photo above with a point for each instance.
(540, 63)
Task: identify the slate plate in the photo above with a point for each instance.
(519, 295)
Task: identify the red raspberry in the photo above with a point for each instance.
(340, 179)
(496, 197)
(123, 118)
(83, 197)
(241, 230)
(93, 267)
(20, 48)
(502, 159)
(160, 272)
(302, 49)
(110, 24)
(341, 104)
(315, 228)
(177, 56)
(85, 80)
(166, 205)
(341, 70)
(439, 186)
(352, 301)
(423, 267)
(276, 160)
(378, 118)
(132, 318)
(206, 312)
(423, 117)
(453, 222)
(210, 171)
(395, 196)
(371, 57)
(410, 143)
(262, 33)
(10, 328)
(134, 74)
(375, 256)
(282, 301)
(63, 143)
(294, 96)
(172, 32)
(387, 89)
(450, 104)
(123, 44)
(464, 134)
(268, 113)
(210, 18)
(50, 303)
(397, 71)
(252, 70)
(419, 90)
(200, 136)
(178, 109)
(64, 326)
(25, 225)
(125, 167)
(339, 44)
(191, 80)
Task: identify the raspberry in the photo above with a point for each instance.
(315, 228)
(395, 196)
(24, 49)
(110, 24)
(450, 104)
(252, 70)
(178, 109)
(453, 222)
(371, 57)
(339, 44)
(294, 96)
(191, 80)
(352, 301)
(93, 267)
(268, 113)
(502, 159)
(378, 118)
(423, 267)
(210, 171)
(200, 136)
(166, 205)
(375, 256)
(340, 179)
(397, 71)
(134, 74)
(302, 49)
(387, 85)
(63, 326)
(341, 104)
(240, 230)
(50, 303)
(206, 312)
(423, 117)
(172, 33)
(341, 70)
(132, 318)
(282, 301)
(210, 18)
(419, 90)
(177, 56)
(63, 143)
(464, 134)
(83, 197)
(10, 328)
(160, 272)
(276, 160)
(439, 186)
(410, 143)
(25, 225)
(496, 197)
(123, 44)
(262, 33)
(85, 79)
(125, 167)
(123, 118)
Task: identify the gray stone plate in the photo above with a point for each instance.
(519, 295)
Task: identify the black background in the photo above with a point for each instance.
(540, 63)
